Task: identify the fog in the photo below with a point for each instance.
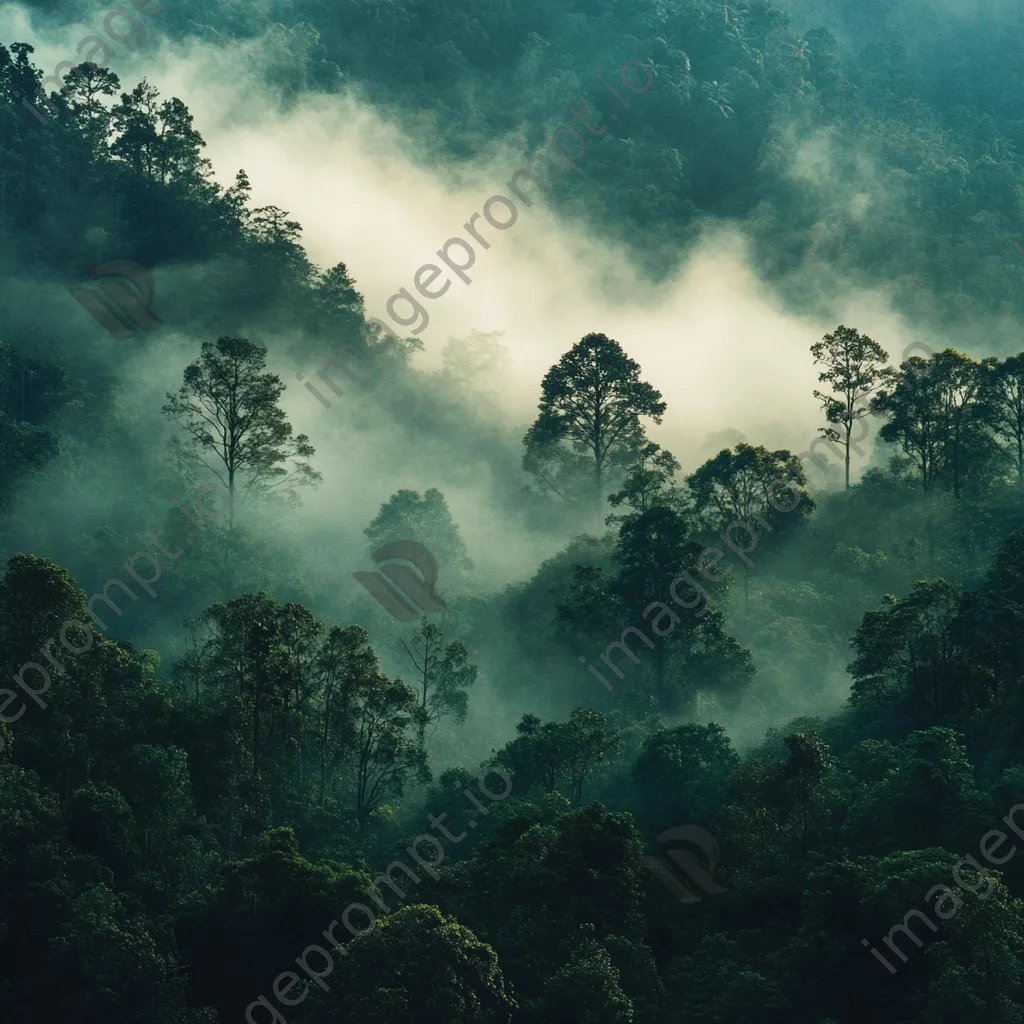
(726, 349)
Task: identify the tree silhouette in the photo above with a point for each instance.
(935, 411)
(590, 409)
(426, 519)
(442, 674)
(745, 484)
(855, 367)
(1004, 406)
(228, 408)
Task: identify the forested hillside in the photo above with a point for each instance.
(737, 740)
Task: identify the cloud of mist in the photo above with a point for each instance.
(714, 339)
(720, 344)
(717, 342)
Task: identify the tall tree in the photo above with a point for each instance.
(935, 412)
(157, 140)
(384, 757)
(589, 741)
(959, 382)
(653, 549)
(443, 673)
(569, 751)
(346, 665)
(855, 367)
(228, 407)
(84, 87)
(690, 653)
(1004, 401)
(809, 762)
(590, 408)
(334, 292)
(914, 418)
(261, 654)
(278, 239)
(534, 757)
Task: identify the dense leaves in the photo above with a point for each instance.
(177, 828)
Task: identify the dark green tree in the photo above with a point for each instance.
(910, 657)
(647, 484)
(586, 988)
(157, 140)
(419, 964)
(443, 673)
(346, 665)
(855, 367)
(228, 408)
(261, 656)
(749, 486)
(1004, 408)
(569, 752)
(681, 772)
(936, 413)
(385, 759)
(589, 741)
(274, 904)
(85, 85)
(809, 762)
(589, 422)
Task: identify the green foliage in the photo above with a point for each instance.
(855, 366)
(935, 411)
(681, 773)
(256, 915)
(420, 964)
(647, 484)
(909, 655)
(587, 989)
(690, 652)
(172, 838)
(589, 421)
(442, 674)
(559, 753)
(228, 409)
(426, 519)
